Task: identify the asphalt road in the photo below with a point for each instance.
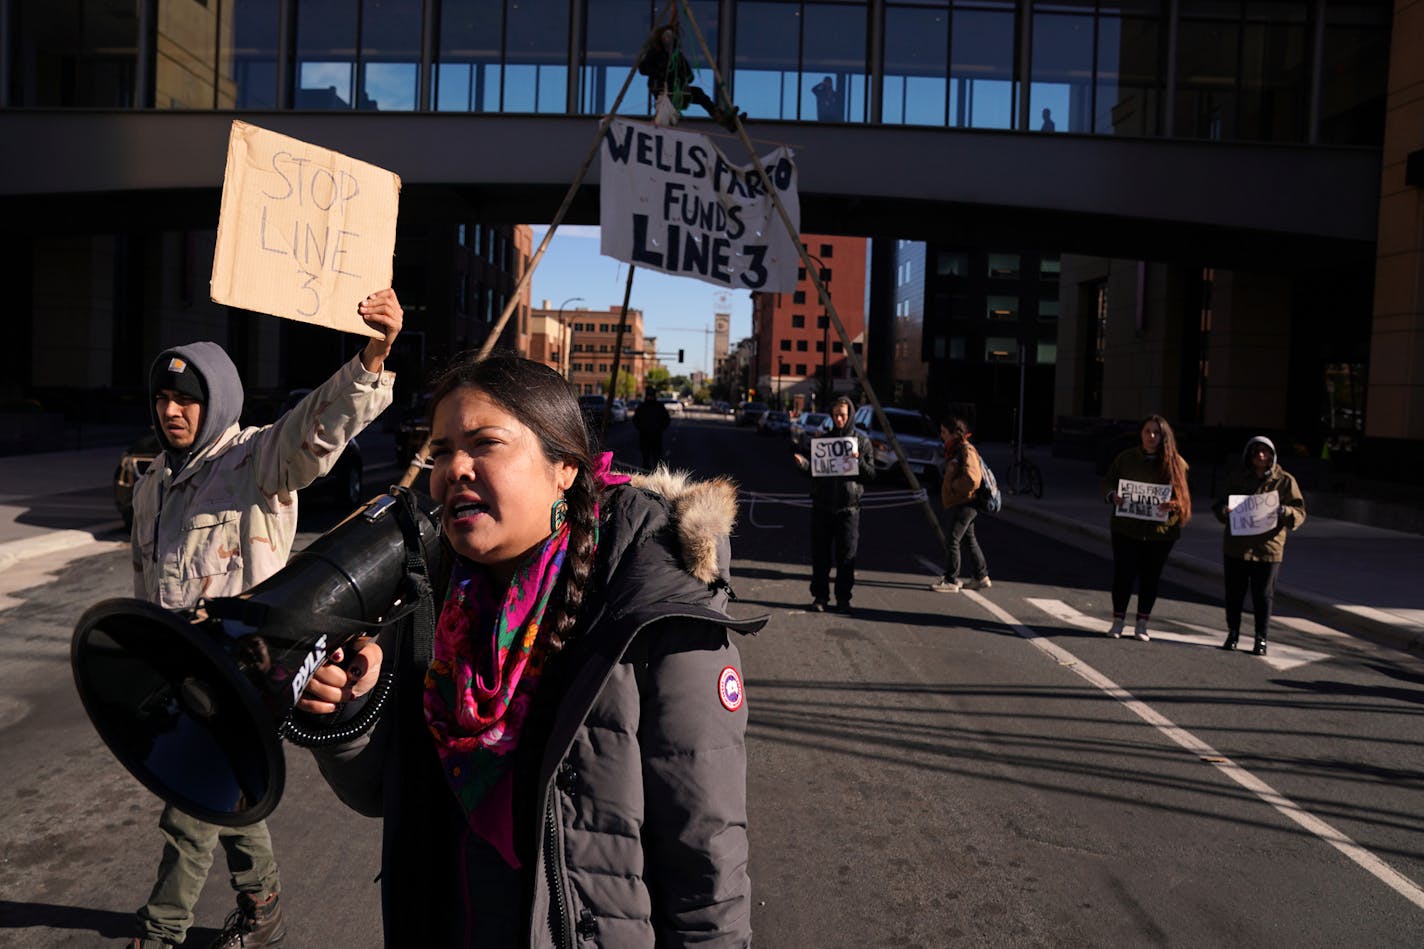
(935, 770)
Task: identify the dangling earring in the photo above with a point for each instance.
(558, 514)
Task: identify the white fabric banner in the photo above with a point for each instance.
(1253, 513)
(670, 201)
(1142, 500)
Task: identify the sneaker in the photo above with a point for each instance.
(817, 606)
(1115, 630)
(947, 586)
(983, 584)
(843, 606)
(1141, 631)
(252, 925)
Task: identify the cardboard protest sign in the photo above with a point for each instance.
(833, 457)
(304, 233)
(1142, 500)
(1253, 513)
(671, 201)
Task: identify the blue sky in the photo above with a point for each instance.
(675, 309)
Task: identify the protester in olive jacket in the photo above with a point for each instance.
(1140, 547)
(587, 784)
(1254, 560)
(964, 473)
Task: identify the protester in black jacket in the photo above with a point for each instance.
(835, 514)
(566, 759)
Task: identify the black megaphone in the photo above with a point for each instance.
(192, 703)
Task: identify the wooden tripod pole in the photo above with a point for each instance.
(815, 275)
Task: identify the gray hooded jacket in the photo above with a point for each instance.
(630, 809)
(222, 517)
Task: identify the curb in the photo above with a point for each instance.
(1362, 627)
(14, 551)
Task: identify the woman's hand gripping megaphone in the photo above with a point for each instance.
(352, 672)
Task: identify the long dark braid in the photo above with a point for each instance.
(545, 402)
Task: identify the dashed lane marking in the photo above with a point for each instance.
(1365, 859)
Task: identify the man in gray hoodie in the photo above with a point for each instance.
(214, 514)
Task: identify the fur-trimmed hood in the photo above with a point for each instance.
(704, 512)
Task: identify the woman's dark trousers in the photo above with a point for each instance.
(835, 535)
(1138, 562)
(959, 535)
(1260, 577)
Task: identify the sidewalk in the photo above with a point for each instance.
(1367, 573)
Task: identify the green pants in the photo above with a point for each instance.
(187, 856)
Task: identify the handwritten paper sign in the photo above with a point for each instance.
(1253, 513)
(671, 201)
(833, 457)
(1142, 500)
(304, 233)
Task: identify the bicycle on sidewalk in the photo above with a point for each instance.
(1023, 476)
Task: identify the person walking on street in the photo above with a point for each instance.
(1252, 557)
(564, 759)
(835, 514)
(1146, 523)
(964, 473)
(214, 514)
(651, 419)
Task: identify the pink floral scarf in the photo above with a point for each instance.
(487, 659)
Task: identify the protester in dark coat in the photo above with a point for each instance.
(566, 759)
(651, 419)
(835, 514)
(1254, 560)
(1140, 546)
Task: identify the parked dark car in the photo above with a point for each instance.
(342, 485)
(774, 422)
(749, 413)
(809, 425)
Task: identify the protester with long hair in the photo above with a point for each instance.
(566, 759)
(1143, 534)
(963, 474)
(1253, 558)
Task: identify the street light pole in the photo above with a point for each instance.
(560, 320)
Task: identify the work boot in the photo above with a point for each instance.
(1231, 638)
(253, 924)
(1260, 647)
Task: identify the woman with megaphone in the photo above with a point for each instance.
(565, 754)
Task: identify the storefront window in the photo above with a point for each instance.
(801, 60)
(982, 89)
(75, 53)
(248, 57)
(390, 54)
(1355, 72)
(536, 57)
(326, 44)
(615, 33)
(468, 74)
(916, 87)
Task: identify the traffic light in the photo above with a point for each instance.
(679, 355)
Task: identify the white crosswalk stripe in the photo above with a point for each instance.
(1281, 656)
